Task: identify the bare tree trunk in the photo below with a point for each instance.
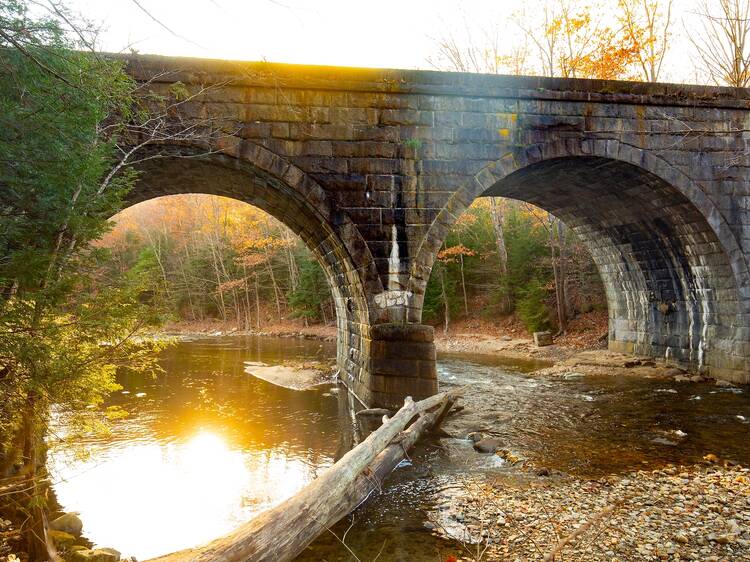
(257, 304)
(274, 285)
(247, 323)
(293, 269)
(188, 289)
(446, 305)
(498, 221)
(559, 272)
(217, 273)
(463, 280)
(35, 528)
(563, 257)
(323, 311)
(156, 247)
(269, 265)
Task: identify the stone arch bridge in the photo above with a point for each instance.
(372, 167)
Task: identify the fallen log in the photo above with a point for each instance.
(282, 532)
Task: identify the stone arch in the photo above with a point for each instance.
(248, 172)
(673, 270)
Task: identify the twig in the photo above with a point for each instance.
(551, 555)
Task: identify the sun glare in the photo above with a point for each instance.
(149, 498)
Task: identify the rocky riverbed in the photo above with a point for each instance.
(676, 513)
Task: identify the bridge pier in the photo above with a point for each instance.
(402, 363)
(392, 361)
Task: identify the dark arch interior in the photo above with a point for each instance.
(218, 174)
(670, 287)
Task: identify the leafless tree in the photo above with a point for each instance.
(723, 41)
(567, 34)
(647, 24)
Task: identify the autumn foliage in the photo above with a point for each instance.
(218, 258)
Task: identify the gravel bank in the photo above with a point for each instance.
(678, 513)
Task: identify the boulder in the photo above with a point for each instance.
(68, 523)
(475, 436)
(487, 445)
(542, 339)
(96, 555)
(61, 539)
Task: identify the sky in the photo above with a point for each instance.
(379, 33)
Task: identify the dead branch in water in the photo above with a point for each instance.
(281, 533)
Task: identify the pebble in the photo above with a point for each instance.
(695, 513)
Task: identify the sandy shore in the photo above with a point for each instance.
(296, 377)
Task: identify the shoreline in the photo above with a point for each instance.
(558, 359)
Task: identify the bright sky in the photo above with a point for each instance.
(382, 33)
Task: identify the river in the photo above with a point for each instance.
(206, 446)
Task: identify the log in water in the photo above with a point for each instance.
(281, 533)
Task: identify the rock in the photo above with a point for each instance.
(475, 436)
(487, 445)
(506, 338)
(542, 339)
(711, 458)
(681, 538)
(96, 555)
(509, 456)
(723, 383)
(61, 539)
(68, 523)
(674, 372)
(721, 539)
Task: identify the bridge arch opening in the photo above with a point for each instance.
(261, 179)
(670, 286)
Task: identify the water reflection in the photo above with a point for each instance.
(205, 448)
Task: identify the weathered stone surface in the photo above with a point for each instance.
(542, 339)
(69, 523)
(61, 539)
(372, 167)
(487, 445)
(96, 555)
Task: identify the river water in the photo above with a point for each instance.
(206, 446)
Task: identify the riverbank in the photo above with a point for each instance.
(557, 438)
(581, 351)
(699, 512)
(283, 329)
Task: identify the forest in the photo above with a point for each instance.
(214, 259)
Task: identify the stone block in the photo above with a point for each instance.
(542, 339)
(403, 332)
